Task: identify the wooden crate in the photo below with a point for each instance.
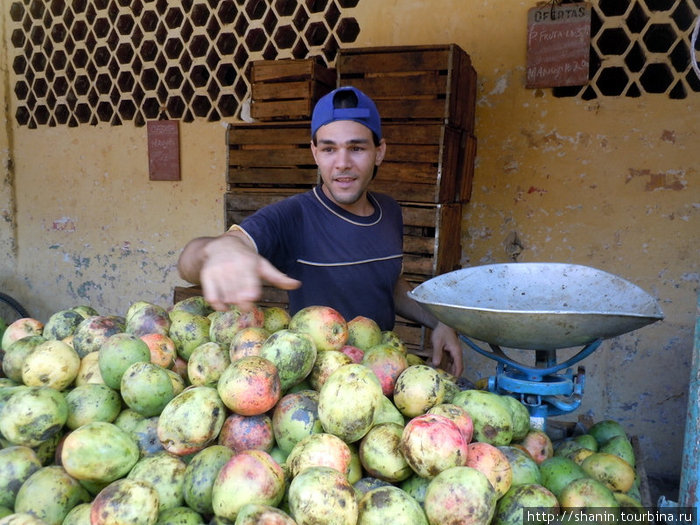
(288, 89)
(425, 162)
(270, 155)
(433, 82)
(432, 239)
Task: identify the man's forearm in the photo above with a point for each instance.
(191, 259)
(410, 309)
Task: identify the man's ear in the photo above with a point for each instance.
(381, 151)
(313, 151)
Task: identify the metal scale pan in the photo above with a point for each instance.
(542, 307)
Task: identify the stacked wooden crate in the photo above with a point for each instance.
(425, 95)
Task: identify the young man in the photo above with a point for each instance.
(338, 245)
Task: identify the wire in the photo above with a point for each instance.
(692, 47)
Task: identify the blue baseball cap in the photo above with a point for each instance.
(365, 112)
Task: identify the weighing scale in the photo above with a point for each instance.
(540, 307)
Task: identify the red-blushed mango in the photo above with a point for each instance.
(250, 386)
(93, 332)
(247, 341)
(458, 415)
(431, 443)
(226, 324)
(460, 496)
(146, 318)
(326, 326)
(20, 329)
(251, 476)
(319, 450)
(355, 354)
(538, 444)
(387, 363)
(247, 433)
(493, 463)
(162, 349)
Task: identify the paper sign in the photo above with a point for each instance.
(163, 150)
(558, 45)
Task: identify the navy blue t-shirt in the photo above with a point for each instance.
(348, 262)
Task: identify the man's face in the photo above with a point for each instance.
(346, 156)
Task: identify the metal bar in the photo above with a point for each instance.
(690, 485)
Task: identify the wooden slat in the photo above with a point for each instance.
(281, 90)
(414, 82)
(269, 133)
(269, 157)
(391, 59)
(278, 176)
(290, 70)
(403, 85)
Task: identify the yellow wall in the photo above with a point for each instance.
(610, 183)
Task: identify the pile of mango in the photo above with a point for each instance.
(185, 416)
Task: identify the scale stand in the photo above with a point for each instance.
(544, 389)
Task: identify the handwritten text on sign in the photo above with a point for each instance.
(163, 150)
(558, 45)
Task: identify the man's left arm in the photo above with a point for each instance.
(443, 338)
